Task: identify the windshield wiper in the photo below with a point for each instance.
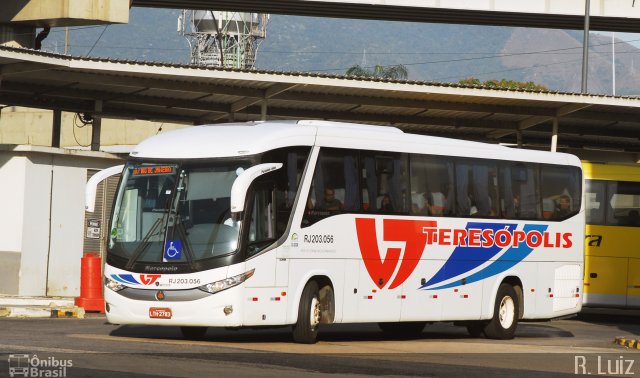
(144, 243)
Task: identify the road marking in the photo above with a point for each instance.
(33, 348)
(423, 346)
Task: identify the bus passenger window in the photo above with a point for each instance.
(431, 185)
(476, 189)
(623, 204)
(334, 188)
(384, 182)
(560, 191)
(518, 191)
(594, 201)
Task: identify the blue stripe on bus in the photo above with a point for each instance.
(509, 259)
(128, 278)
(464, 259)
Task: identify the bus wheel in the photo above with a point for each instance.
(505, 314)
(193, 333)
(403, 329)
(305, 331)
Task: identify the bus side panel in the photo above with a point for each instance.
(612, 275)
(419, 304)
(265, 303)
(633, 283)
(559, 290)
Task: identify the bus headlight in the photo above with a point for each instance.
(113, 284)
(218, 286)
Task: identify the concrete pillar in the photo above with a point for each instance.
(57, 125)
(554, 135)
(263, 110)
(96, 126)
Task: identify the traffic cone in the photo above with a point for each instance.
(91, 298)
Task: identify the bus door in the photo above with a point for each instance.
(265, 303)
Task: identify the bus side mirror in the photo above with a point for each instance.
(244, 180)
(92, 185)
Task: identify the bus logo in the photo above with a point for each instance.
(145, 279)
(402, 230)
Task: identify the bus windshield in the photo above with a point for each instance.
(175, 213)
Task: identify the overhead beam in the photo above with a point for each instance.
(393, 101)
(22, 68)
(379, 10)
(268, 93)
(83, 94)
(382, 118)
(137, 82)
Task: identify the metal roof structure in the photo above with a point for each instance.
(189, 94)
(532, 13)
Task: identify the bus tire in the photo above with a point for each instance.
(193, 333)
(403, 329)
(305, 331)
(505, 314)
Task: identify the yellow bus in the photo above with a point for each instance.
(612, 237)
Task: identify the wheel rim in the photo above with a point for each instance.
(314, 314)
(506, 312)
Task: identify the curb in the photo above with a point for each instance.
(75, 312)
(41, 312)
(627, 343)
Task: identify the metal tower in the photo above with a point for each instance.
(223, 39)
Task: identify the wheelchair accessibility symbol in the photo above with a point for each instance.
(173, 250)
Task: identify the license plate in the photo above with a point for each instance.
(160, 313)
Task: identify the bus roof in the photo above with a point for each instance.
(240, 139)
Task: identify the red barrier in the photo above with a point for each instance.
(91, 298)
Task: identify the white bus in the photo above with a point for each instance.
(313, 222)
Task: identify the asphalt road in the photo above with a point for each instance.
(92, 348)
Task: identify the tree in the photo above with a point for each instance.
(398, 72)
(504, 83)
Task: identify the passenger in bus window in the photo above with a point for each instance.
(330, 202)
(563, 209)
(385, 205)
(516, 205)
(435, 203)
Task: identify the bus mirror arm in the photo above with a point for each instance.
(244, 180)
(92, 185)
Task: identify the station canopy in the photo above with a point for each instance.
(200, 95)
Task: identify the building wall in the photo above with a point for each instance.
(12, 172)
(42, 200)
(35, 228)
(65, 12)
(41, 236)
(33, 127)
